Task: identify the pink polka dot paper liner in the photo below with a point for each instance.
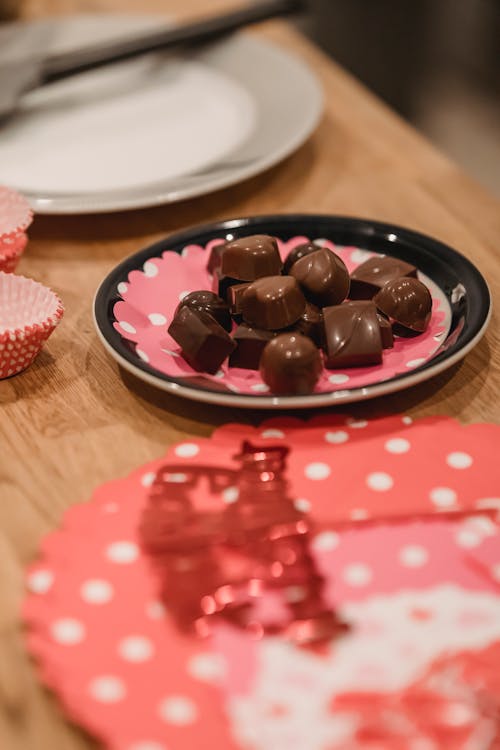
(15, 218)
(149, 299)
(411, 560)
(29, 312)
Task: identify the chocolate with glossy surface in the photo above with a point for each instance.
(250, 258)
(369, 277)
(250, 345)
(210, 303)
(352, 335)
(273, 302)
(323, 277)
(297, 253)
(221, 284)
(406, 301)
(204, 343)
(291, 364)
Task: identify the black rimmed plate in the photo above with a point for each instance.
(453, 279)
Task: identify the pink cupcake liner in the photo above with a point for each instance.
(15, 218)
(29, 312)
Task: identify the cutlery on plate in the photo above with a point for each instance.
(22, 73)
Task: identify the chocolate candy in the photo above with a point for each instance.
(204, 343)
(297, 253)
(250, 258)
(323, 277)
(406, 301)
(250, 345)
(291, 364)
(352, 335)
(210, 303)
(310, 324)
(369, 277)
(235, 296)
(272, 303)
(215, 257)
(221, 284)
(385, 331)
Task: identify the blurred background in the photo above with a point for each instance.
(436, 62)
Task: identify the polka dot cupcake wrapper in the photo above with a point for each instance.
(29, 312)
(15, 218)
(410, 558)
(149, 298)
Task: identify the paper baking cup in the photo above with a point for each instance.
(29, 312)
(15, 218)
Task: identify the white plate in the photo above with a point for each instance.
(157, 129)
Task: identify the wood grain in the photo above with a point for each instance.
(74, 420)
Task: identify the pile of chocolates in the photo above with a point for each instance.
(291, 319)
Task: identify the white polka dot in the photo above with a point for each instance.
(359, 514)
(219, 374)
(459, 460)
(317, 471)
(359, 256)
(147, 745)
(260, 388)
(413, 556)
(176, 478)
(231, 494)
(357, 424)
(40, 581)
(458, 715)
(183, 294)
(482, 525)
(96, 591)
(157, 319)
(415, 362)
(321, 241)
(122, 552)
(302, 504)
(357, 574)
(68, 631)
(397, 445)
(337, 437)
(107, 689)
(127, 327)
(468, 538)
(135, 648)
(407, 420)
(148, 479)
(488, 503)
(142, 355)
(187, 450)
(272, 434)
(294, 594)
(495, 572)
(325, 541)
(207, 667)
(178, 710)
(379, 481)
(155, 610)
(150, 269)
(443, 497)
(122, 287)
(338, 378)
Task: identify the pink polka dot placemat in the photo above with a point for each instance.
(149, 299)
(405, 537)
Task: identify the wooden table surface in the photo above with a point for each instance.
(74, 420)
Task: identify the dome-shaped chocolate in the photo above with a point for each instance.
(323, 277)
(291, 364)
(297, 253)
(406, 301)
